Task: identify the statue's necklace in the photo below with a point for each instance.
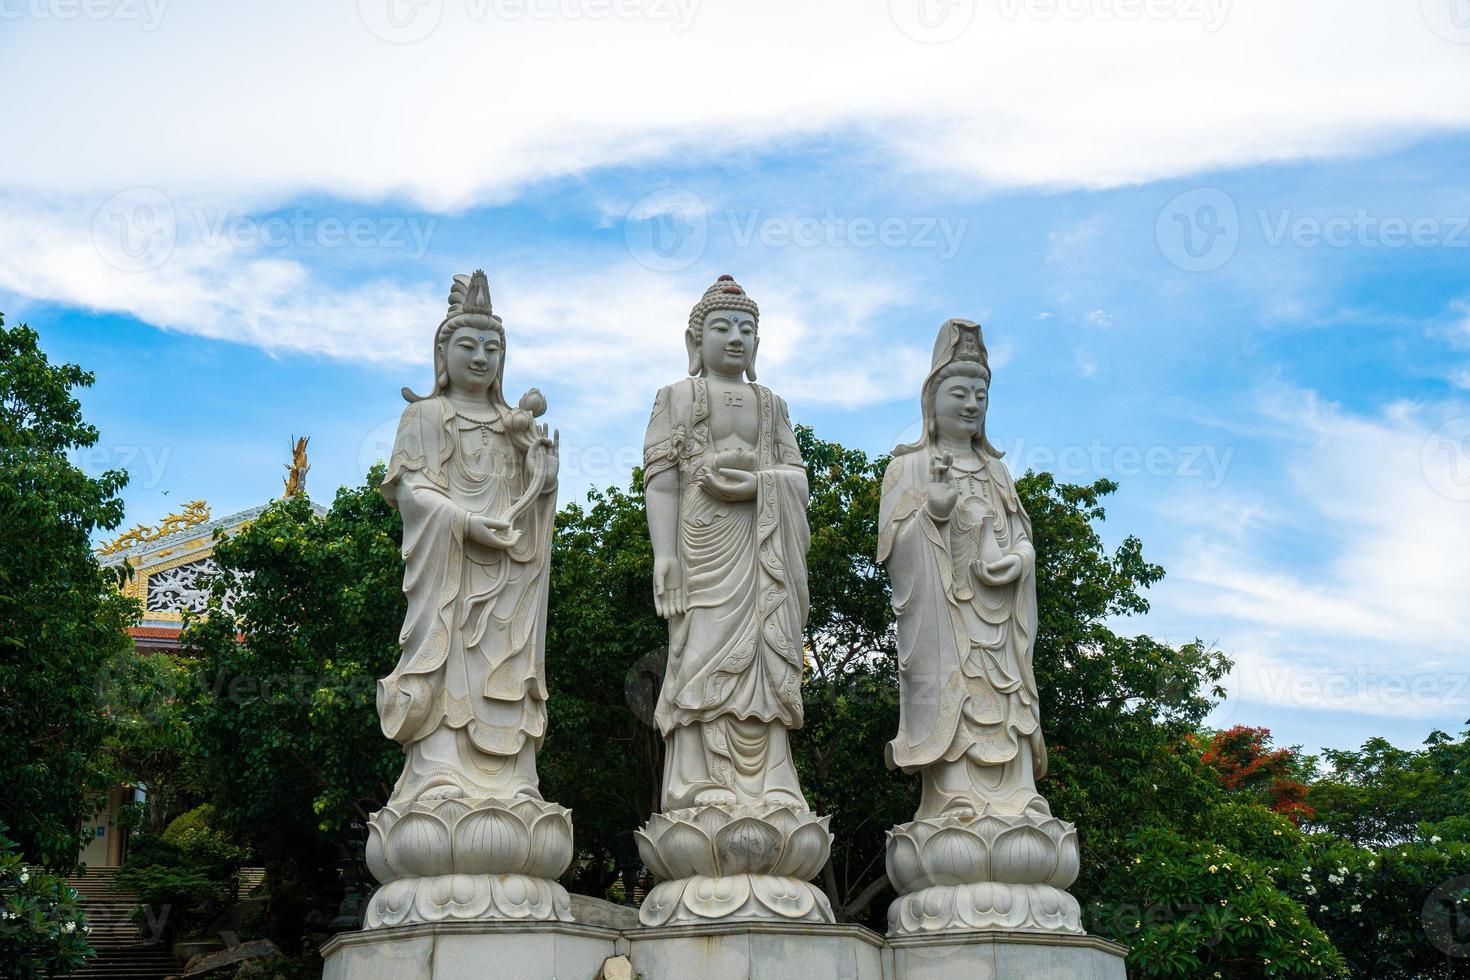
(484, 425)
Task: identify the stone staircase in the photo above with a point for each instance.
(122, 951)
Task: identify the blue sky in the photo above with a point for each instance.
(1221, 253)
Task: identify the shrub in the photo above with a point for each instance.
(42, 930)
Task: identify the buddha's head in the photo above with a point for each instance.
(723, 331)
(469, 346)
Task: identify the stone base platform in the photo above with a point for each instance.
(713, 951)
(472, 951)
(1004, 956)
(757, 951)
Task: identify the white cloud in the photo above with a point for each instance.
(277, 99)
(1348, 587)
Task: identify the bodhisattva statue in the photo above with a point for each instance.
(726, 493)
(983, 851)
(466, 833)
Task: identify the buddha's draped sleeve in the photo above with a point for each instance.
(931, 639)
(782, 537)
(665, 438)
(433, 552)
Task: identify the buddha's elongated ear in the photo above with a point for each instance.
(755, 346)
(691, 342)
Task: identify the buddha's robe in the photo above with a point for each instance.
(732, 687)
(468, 697)
(969, 710)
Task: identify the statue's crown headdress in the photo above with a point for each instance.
(725, 294)
(969, 345)
(469, 294)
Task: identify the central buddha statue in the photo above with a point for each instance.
(727, 493)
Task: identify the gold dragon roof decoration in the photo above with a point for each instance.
(194, 513)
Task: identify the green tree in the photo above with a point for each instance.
(60, 621)
(1380, 794)
(285, 723)
(605, 654)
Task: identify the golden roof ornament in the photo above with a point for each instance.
(297, 468)
(193, 514)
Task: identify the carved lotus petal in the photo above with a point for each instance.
(1023, 855)
(905, 869)
(648, 851)
(492, 841)
(1069, 862)
(715, 898)
(989, 828)
(662, 902)
(418, 846)
(787, 897)
(686, 851)
(551, 846)
(806, 851)
(377, 851)
(784, 819)
(953, 856)
(748, 846)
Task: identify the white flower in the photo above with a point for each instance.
(1311, 889)
(69, 927)
(1321, 908)
(1334, 879)
(25, 876)
(1435, 839)
(1356, 908)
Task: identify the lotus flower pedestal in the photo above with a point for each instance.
(466, 860)
(722, 863)
(985, 896)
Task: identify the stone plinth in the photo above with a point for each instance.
(999, 955)
(722, 863)
(469, 860)
(990, 871)
(471, 951)
(498, 950)
(757, 951)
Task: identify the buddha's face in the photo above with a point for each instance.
(959, 406)
(473, 358)
(727, 342)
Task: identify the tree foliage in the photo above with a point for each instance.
(60, 622)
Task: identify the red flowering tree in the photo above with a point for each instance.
(1245, 761)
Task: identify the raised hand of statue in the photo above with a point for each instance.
(1002, 571)
(668, 587)
(942, 493)
(491, 533)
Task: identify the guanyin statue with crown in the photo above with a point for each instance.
(466, 833)
(983, 851)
